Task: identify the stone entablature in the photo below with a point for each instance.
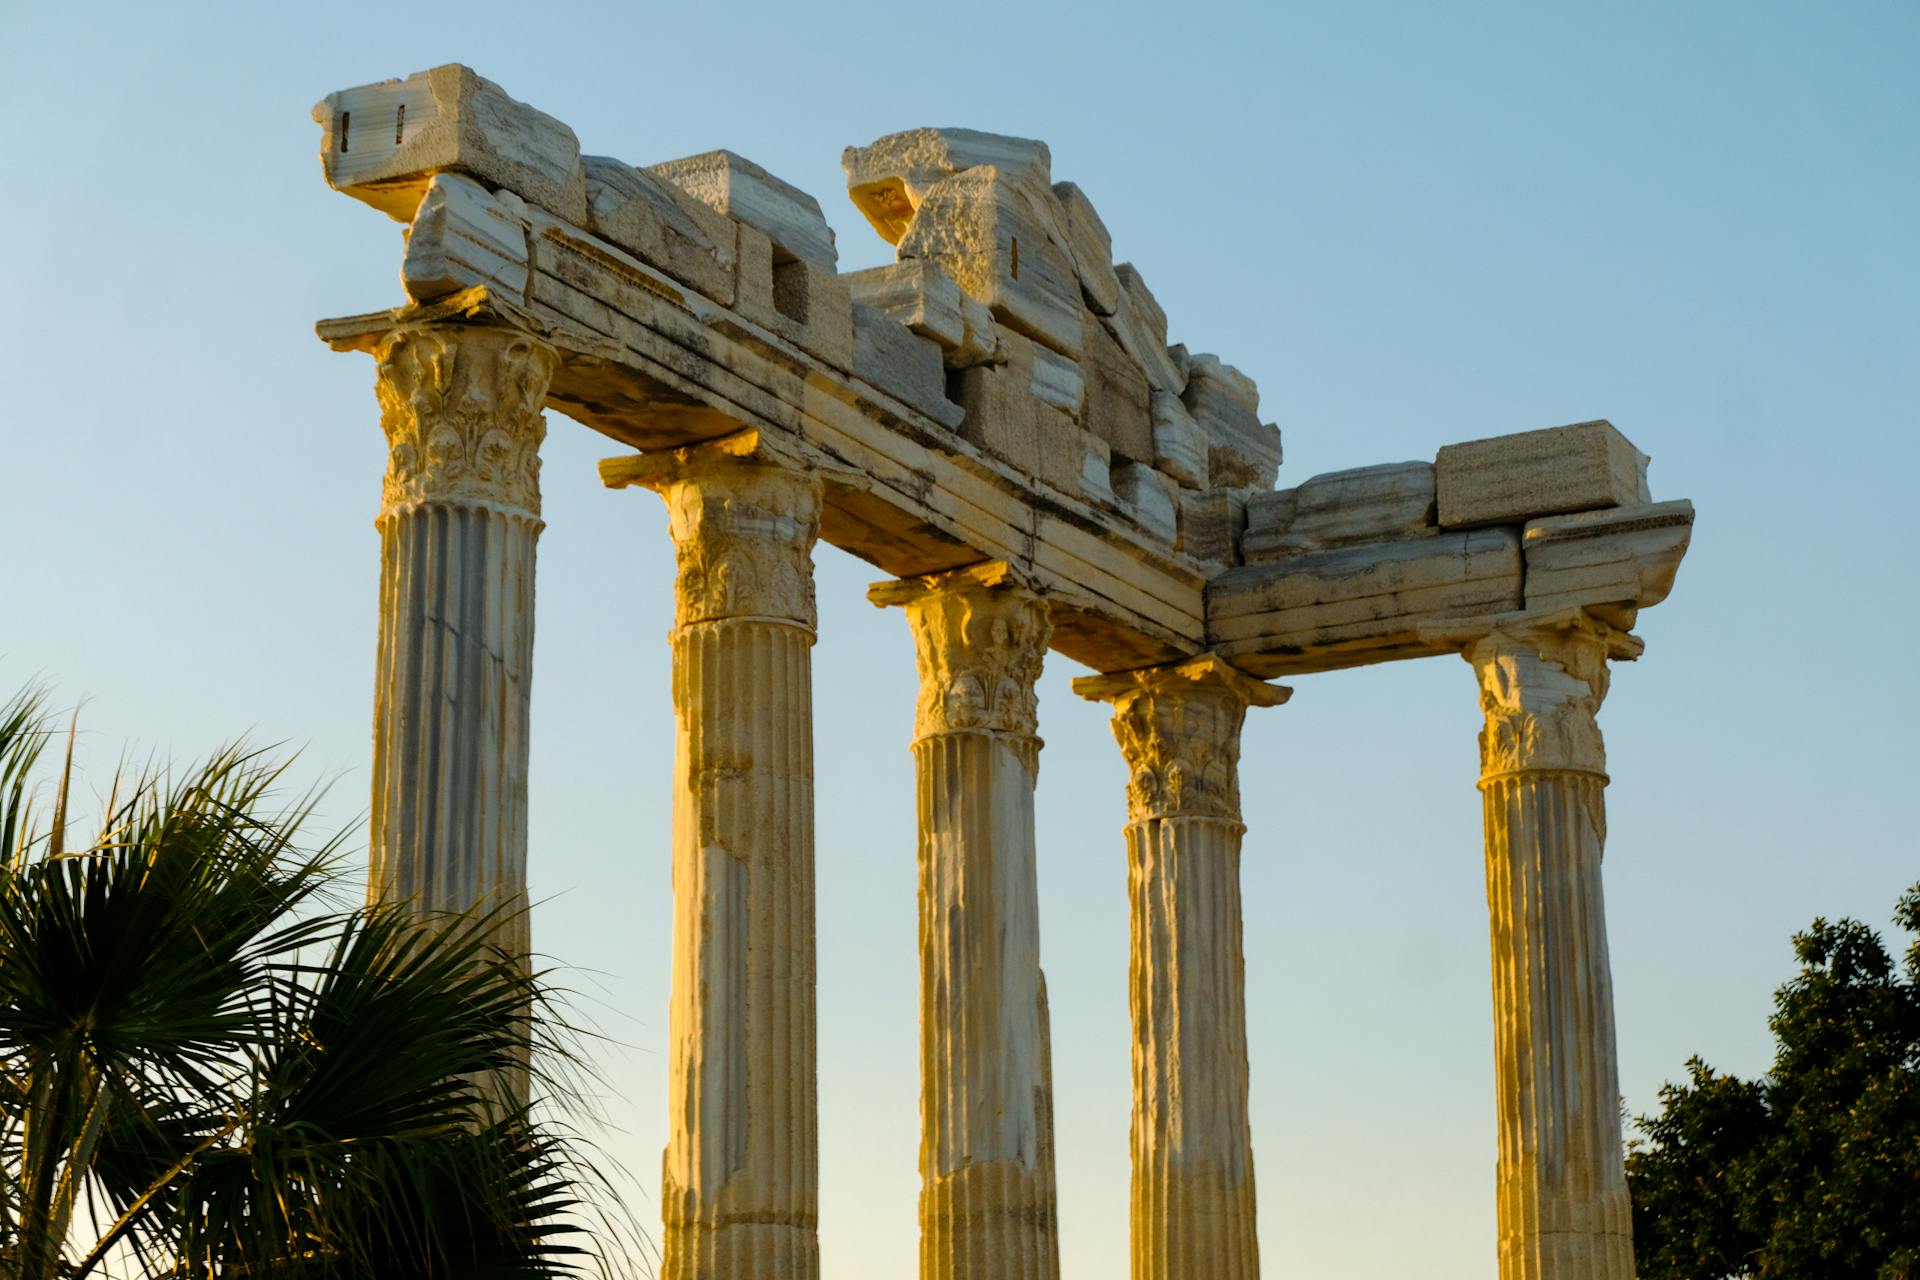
(999, 420)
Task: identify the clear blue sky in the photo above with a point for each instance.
(1413, 224)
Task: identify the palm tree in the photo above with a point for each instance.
(211, 1066)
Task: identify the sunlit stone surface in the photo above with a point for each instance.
(987, 1206)
(741, 1171)
(1193, 1190)
(459, 516)
(1001, 421)
(1562, 1173)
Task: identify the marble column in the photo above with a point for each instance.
(1193, 1190)
(741, 1175)
(1562, 1186)
(987, 1201)
(460, 513)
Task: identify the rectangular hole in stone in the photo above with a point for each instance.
(790, 290)
(346, 123)
(399, 124)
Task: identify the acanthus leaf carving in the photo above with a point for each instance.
(743, 535)
(979, 640)
(1179, 730)
(1541, 687)
(460, 405)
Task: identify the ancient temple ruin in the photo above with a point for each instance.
(998, 421)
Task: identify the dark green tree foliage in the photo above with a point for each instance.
(1813, 1171)
(209, 1066)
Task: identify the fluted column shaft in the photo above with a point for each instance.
(987, 1199)
(1193, 1189)
(740, 1184)
(460, 513)
(1562, 1188)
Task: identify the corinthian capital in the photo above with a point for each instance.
(1541, 685)
(743, 527)
(979, 637)
(460, 405)
(1179, 729)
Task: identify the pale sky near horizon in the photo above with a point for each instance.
(1412, 224)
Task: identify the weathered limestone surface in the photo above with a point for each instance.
(1092, 248)
(888, 354)
(921, 296)
(889, 179)
(462, 234)
(1366, 504)
(1562, 1176)
(1193, 1188)
(997, 239)
(653, 362)
(736, 186)
(641, 214)
(1139, 324)
(1150, 497)
(382, 142)
(1057, 381)
(459, 516)
(999, 420)
(1356, 566)
(987, 1200)
(741, 1193)
(1179, 449)
(1359, 604)
(1211, 523)
(1241, 450)
(814, 310)
(1612, 562)
(1118, 398)
(1538, 473)
(1076, 462)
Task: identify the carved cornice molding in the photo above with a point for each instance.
(1179, 729)
(979, 636)
(743, 523)
(1541, 685)
(460, 405)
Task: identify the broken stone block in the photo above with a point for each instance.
(1178, 447)
(1211, 522)
(1118, 407)
(918, 294)
(889, 179)
(1272, 511)
(1057, 380)
(1366, 504)
(1072, 460)
(464, 235)
(736, 186)
(1140, 326)
(1536, 473)
(382, 143)
(635, 211)
(982, 343)
(1181, 360)
(1150, 497)
(815, 310)
(1241, 450)
(1001, 412)
(890, 357)
(1092, 248)
(989, 236)
(1618, 557)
